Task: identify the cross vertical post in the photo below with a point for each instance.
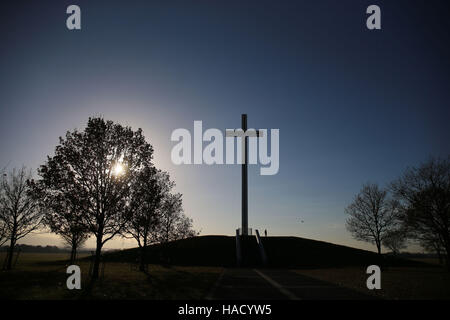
(245, 179)
(242, 133)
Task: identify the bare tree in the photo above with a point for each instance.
(19, 211)
(433, 245)
(184, 228)
(95, 168)
(372, 215)
(171, 213)
(424, 195)
(3, 234)
(174, 224)
(148, 190)
(395, 240)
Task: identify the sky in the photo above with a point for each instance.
(352, 105)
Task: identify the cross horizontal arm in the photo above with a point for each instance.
(241, 133)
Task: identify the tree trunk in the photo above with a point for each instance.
(447, 257)
(73, 253)
(380, 257)
(143, 258)
(98, 252)
(378, 247)
(437, 249)
(446, 244)
(10, 253)
(12, 246)
(143, 250)
(441, 261)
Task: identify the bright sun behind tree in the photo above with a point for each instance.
(118, 169)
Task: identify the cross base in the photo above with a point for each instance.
(249, 232)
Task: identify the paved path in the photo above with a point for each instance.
(277, 284)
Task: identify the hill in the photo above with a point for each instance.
(282, 252)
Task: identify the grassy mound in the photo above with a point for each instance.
(198, 251)
(282, 252)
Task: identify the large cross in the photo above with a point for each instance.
(244, 135)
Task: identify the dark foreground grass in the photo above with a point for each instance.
(402, 283)
(43, 276)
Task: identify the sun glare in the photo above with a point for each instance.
(118, 169)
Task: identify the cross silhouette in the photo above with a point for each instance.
(244, 134)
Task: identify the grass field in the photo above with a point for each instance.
(396, 282)
(198, 262)
(43, 276)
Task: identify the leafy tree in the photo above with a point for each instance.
(424, 195)
(69, 226)
(372, 215)
(148, 191)
(75, 236)
(60, 216)
(94, 169)
(19, 211)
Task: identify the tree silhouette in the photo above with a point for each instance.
(432, 244)
(94, 169)
(424, 194)
(372, 216)
(19, 211)
(60, 214)
(395, 240)
(174, 224)
(171, 214)
(184, 228)
(148, 190)
(3, 235)
(71, 230)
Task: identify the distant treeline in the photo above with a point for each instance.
(413, 255)
(41, 249)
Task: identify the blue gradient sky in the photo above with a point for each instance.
(352, 105)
